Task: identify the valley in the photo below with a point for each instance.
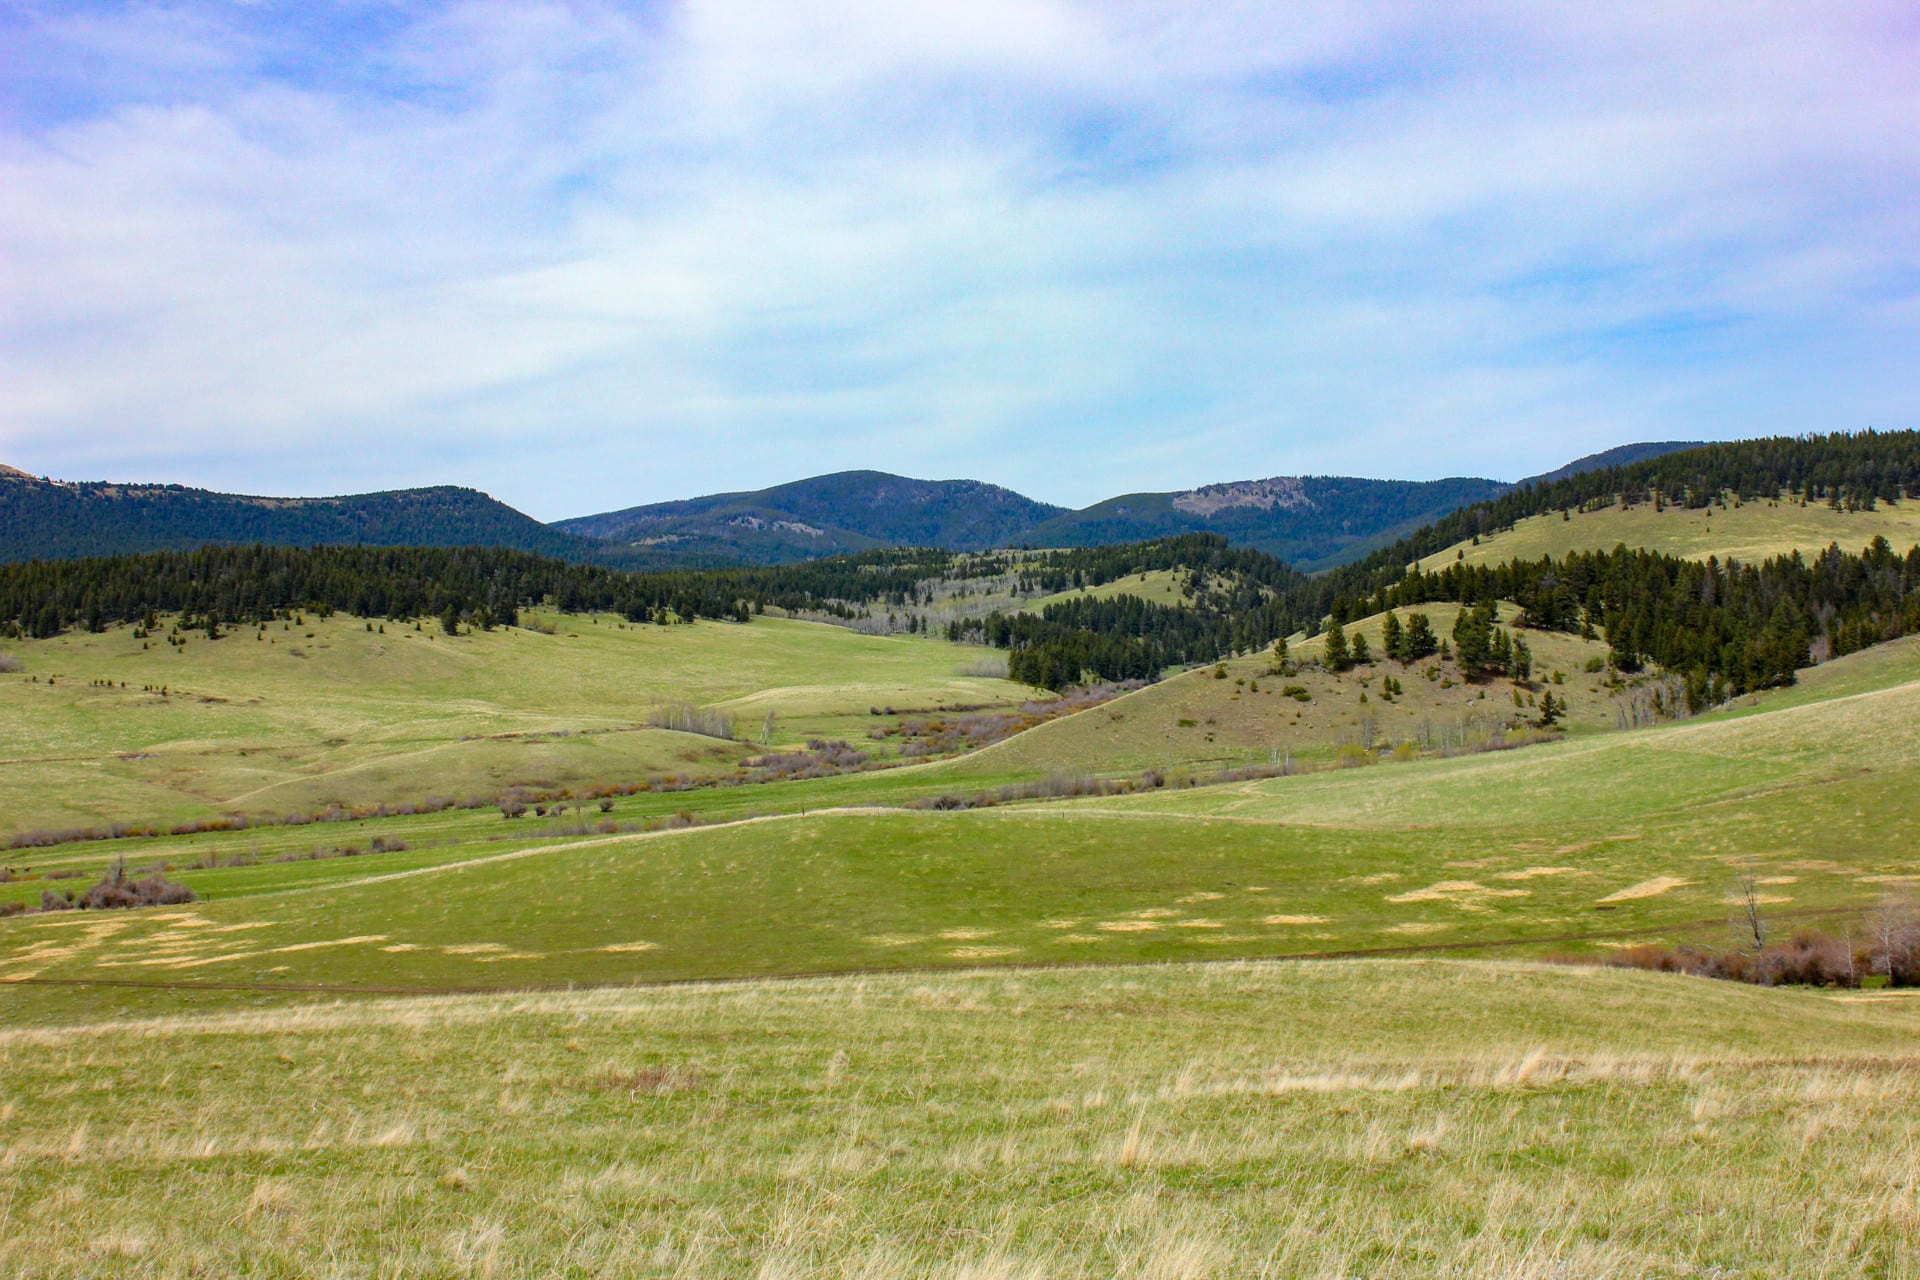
(802, 907)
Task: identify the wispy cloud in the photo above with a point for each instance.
(584, 254)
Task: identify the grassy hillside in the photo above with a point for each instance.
(1589, 843)
(1196, 719)
(1160, 586)
(1750, 531)
(328, 711)
(1391, 1120)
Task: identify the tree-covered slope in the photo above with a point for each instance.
(1311, 521)
(46, 519)
(1618, 456)
(825, 515)
(1848, 471)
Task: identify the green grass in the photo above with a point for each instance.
(1024, 1073)
(1750, 532)
(1193, 720)
(330, 712)
(1323, 1119)
(1579, 845)
(1159, 586)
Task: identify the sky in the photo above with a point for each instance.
(587, 255)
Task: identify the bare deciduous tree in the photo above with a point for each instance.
(1893, 932)
(1749, 921)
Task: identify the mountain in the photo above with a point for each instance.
(1310, 521)
(826, 515)
(1618, 456)
(1313, 522)
(57, 519)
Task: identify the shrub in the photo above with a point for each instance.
(10, 662)
(116, 889)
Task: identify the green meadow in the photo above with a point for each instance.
(1574, 847)
(345, 711)
(1300, 1023)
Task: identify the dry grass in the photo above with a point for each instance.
(1750, 532)
(1335, 1119)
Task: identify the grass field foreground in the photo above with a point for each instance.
(1332, 1119)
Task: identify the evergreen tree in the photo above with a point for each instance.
(1337, 656)
(1473, 638)
(1362, 651)
(1520, 667)
(1420, 641)
(1393, 638)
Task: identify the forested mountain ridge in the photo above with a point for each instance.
(53, 519)
(1618, 456)
(1361, 528)
(1314, 522)
(1844, 469)
(1310, 521)
(823, 515)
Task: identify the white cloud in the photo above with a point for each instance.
(584, 256)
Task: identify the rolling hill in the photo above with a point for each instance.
(824, 515)
(1315, 522)
(1749, 531)
(1310, 521)
(44, 519)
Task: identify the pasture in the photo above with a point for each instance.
(348, 711)
(1198, 719)
(1326, 1119)
(1577, 846)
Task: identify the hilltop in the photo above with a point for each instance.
(1313, 522)
(44, 519)
(825, 515)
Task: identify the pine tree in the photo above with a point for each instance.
(1420, 641)
(1362, 651)
(1473, 638)
(1521, 665)
(1393, 637)
(1337, 657)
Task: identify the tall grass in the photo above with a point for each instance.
(1328, 1120)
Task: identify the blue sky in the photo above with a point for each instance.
(586, 255)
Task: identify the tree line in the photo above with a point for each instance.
(1845, 469)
